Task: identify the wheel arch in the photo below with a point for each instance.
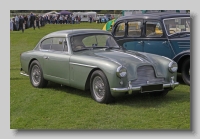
(181, 60)
(87, 84)
(30, 63)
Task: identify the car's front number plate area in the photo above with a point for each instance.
(151, 88)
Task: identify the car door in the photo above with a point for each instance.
(129, 34)
(155, 40)
(56, 61)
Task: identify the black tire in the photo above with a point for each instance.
(159, 93)
(36, 75)
(185, 71)
(100, 92)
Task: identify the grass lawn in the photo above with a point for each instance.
(62, 107)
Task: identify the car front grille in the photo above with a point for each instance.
(146, 75)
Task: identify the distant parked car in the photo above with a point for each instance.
(91, 59)
(104, 19)
(165, 34)
(109, 16)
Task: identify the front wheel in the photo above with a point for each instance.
(99, 88)
(185, 71)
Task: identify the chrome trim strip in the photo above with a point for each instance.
(184, 42)
(185, 47)
(23, 73)
(138, 88)
(131, 55)
(83, 65)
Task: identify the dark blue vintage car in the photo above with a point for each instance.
(165, 34)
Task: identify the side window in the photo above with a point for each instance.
(134, 29)
(120, 30)
(153, 29)
(46, 44)
(57, 44)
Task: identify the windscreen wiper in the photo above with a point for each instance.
(82, 49)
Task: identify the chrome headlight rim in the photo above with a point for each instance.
(173, 67)
(121, 72)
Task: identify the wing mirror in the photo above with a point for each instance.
(65, 42)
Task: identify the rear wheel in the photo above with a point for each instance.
(185, 71)
(99, 88)
(36, 75)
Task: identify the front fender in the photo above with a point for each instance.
(180, 58)
(180, 55)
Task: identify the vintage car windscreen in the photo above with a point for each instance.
(91, 41)
(177, 25)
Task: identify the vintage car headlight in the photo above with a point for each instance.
(173, 67)
(121, 71)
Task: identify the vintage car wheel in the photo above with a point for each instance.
(159, 93)
(36, 75)
(186, 71)
(99, 88)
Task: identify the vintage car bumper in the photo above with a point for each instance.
(145, 88)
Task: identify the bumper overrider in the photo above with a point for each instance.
(147, 87)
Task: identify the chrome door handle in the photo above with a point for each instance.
(141, 42)
(165, 42)
(46, 57)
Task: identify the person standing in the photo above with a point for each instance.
(17, 22)
(32, 20)
(11, 25)
(21, 23)
(90, 19)
(37, 21)
(26, 21)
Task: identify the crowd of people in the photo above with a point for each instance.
(22, 22)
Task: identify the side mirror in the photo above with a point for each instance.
(65, 42)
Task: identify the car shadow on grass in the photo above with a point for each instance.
(146, 100)
(134, 100)
(69, 90)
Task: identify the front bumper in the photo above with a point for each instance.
(131, 89)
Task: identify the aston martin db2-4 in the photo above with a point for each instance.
(91, 59)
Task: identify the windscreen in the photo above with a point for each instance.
(88, 41)
(177, 25)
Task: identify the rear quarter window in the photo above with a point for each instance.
(46, 44)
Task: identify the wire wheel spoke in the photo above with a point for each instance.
(36, 74)
(98, 87)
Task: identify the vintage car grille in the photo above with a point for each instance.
(146, 75)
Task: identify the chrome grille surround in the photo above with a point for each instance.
(146, 76)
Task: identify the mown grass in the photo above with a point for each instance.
(62, 107)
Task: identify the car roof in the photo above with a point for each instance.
(67, 33)
(158, 16)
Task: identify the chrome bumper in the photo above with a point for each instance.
(131, 89)
(23, 73)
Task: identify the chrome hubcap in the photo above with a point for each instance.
(98, 88)
(36, 75)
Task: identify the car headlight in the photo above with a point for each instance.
(173, 67)
(121, 71)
